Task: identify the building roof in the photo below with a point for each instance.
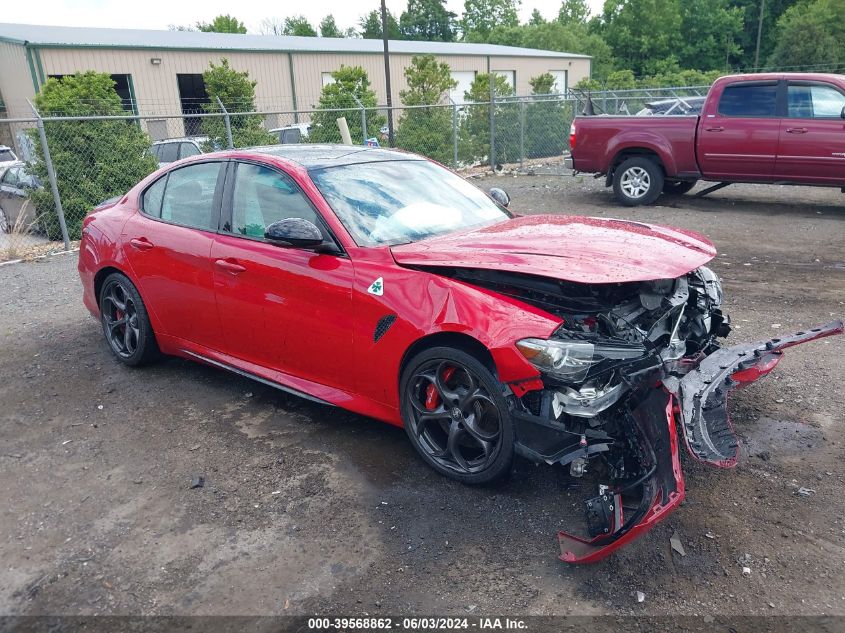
(71, 36)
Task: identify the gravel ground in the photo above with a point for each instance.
(308, 509)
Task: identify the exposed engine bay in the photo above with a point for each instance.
(626, 361)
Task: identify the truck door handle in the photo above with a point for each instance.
(718, 128)
(230, 266)
(796, 130)
(142, 244)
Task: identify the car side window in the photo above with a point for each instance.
(749, 100)
(263, 196)
(10, 178)
(168, 152)
(189, 196)
(188, 149)
(814, 101)
(151, 200)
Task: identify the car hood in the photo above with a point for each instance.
(571, 248)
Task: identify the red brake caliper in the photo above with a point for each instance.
(432, 398)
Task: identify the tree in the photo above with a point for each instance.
(222, 24)
(747, 37)
(371, 26)
(475, 124)
(427, 131)
(536, 18)
(480, 16)
(809, 37)
(711, 29)
(577, 11)
(93, 160)
(542, 115)
(350, 82)
(329, 28)
(643, 34)
(427, 20)
(298, 25)
(237, 93)
(272, 26)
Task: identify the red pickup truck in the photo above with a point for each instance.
(783, 128)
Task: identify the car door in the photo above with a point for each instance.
(168, 245)
(12, 195)
(280, 307)
(812, 135)
(738, 136)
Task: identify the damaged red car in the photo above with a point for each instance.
(383, 283)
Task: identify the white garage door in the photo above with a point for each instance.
(464, 79)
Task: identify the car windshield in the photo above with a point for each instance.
(401, 201)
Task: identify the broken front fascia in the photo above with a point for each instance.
(695, 394)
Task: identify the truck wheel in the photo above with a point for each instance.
(678, 187)
(637, 181)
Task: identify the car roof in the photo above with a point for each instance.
(182, 139)
(318, 156)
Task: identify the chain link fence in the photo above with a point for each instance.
(68, 165)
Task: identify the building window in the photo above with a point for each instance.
(561, 81)
(464, 79)
(510, 77)
(192, 97)
(123, 88)
(327, 79)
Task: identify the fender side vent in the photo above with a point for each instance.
(383, 326)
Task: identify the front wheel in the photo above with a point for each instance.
(678, 187)
(125, 322)
(456, 416)
(638, 180)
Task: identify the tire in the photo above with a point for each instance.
(470, 440)
(638, 180)
(678, 187)
(126, 324)
(4, 222)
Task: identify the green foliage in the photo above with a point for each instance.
(809, 37)
(237, 93)
(546, 121)
(481, 16)
(427, 131)
(427, 20)
(350, 82)
(577, 11)
(475, 122)
(710, 31)
(542, 84)
(93, 160)
(536, 18)
(643, 33)
(298, 25)
(747, 37)
(222, 24)
(329, 28)
(371, 26)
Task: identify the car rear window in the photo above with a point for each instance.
(6, 155)
(749, 100)
(168, 152)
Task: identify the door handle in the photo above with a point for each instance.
(230, 266)
(142, 244)
(796, 130)
(718, 128)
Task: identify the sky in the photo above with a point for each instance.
(159, 14)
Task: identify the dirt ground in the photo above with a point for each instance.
(308, 509)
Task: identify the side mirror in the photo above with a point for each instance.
(296, 232)
(500, 196)
(842, 114)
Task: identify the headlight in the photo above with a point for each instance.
(570, 361)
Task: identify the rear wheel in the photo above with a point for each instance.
(126, 324)
(456, 416)
(678, 187)
(638, 180)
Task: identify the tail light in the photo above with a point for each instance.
(572, 136)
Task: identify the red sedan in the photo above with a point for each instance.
(383, 283)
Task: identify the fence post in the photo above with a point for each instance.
(228, 124)
(363, 118)
(51, 175)
(454, 133)
(521, 130)
(490, 78)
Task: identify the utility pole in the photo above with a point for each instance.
(384, 36)
(759, 34)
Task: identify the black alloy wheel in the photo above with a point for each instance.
(125, 322)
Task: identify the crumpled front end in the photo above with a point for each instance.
(627, 361)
